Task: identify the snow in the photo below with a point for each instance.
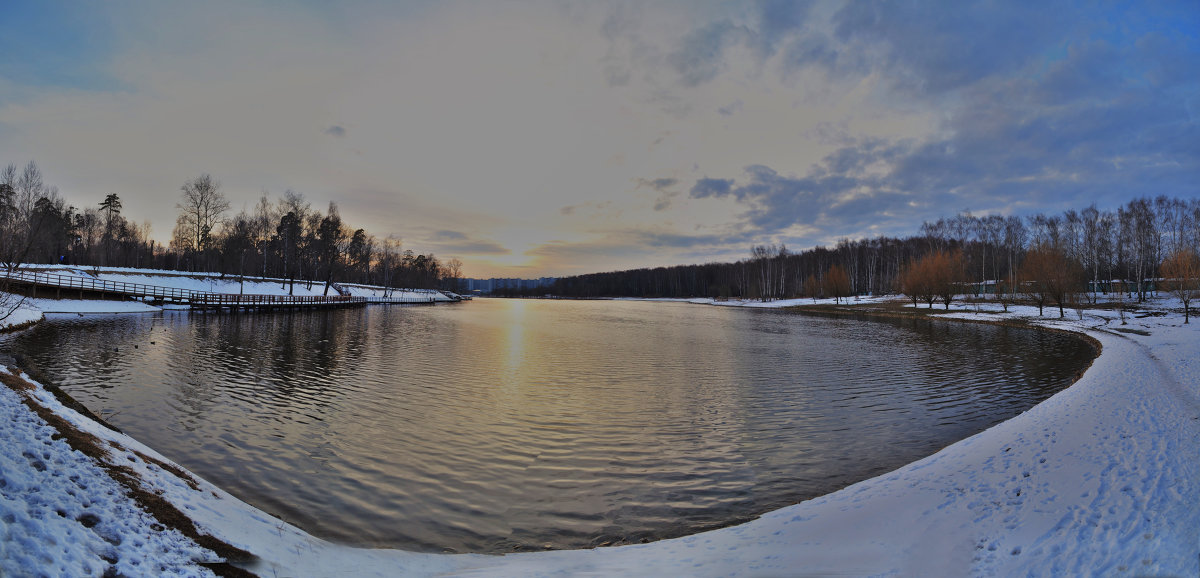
(204, 282)
(61, 515)
(1100, 479)
(24, 313)
(381, 293)
(208, 282)
(91, 306)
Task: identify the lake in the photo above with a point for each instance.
(502, 425)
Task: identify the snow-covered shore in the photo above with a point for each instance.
(231, 284)
(1101, 479)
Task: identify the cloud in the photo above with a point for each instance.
(700, 55)
(634, 247)
(778, 19)
(707, 187)
(731, 108)
(790, 122)
(459, 243)
(443, 236)
(663, 202)
(816, 50)
(930, 48)
(661, 185)
(674, 240)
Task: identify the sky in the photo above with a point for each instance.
(532, 138)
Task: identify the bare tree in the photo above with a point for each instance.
(1094, 245)
(451, 273)
(30, 187)
(9, 219)
(1049, 275)
(1139, 241)
(1181, 275)
(836, 283)
(388, 263)
(202, 207)
(812, 287)
(263, 223)
(947, 272)
(769, 261)
(1015, 235)
(331, 241)
(8, 222)
(917, 282)
(991, 235)
(936, 276)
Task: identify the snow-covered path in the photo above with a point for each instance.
(1101, 479)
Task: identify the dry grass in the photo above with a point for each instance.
(17, 327)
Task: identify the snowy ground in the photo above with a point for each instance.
(213, 283)
(33, 309)
(1101, 479)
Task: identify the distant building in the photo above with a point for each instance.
(486, 286)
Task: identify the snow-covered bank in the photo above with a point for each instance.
(62, 515)
(1100, 479)
(231, 284)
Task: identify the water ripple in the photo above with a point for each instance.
(517, 425)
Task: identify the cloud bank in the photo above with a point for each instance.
(549, 138)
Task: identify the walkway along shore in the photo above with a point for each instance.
(54, 285)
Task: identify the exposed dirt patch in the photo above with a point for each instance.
(175, 470)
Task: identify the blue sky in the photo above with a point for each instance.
(550, 138)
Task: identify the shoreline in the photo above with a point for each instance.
(768, 544)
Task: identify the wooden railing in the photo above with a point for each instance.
(213, 300)
(97, 285)
(200, 299)
(412, 300)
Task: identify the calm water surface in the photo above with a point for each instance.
(505, 424)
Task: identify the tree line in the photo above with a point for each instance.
(1140, 247)
(284, 238)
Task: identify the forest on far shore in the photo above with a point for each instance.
(1061, 260)
(283, 238)
(1143, 246)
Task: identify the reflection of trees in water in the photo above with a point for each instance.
(99, 346)
(1006, 365)
(285, 359)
